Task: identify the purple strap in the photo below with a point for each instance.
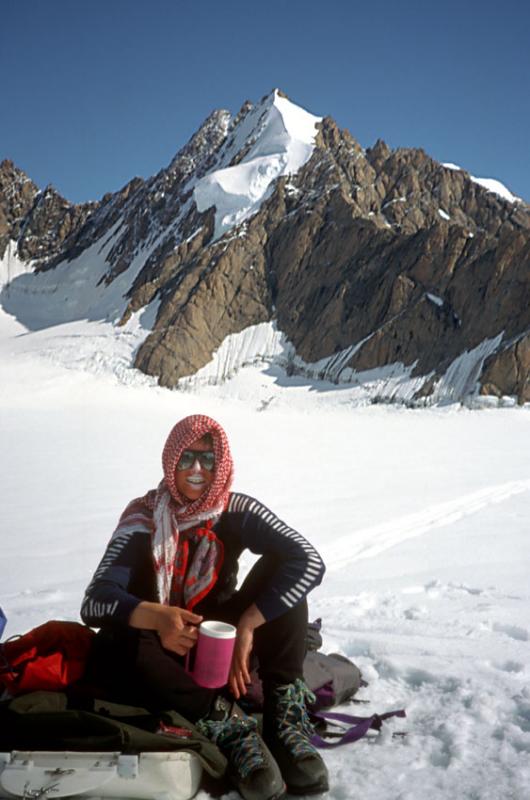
(359, 726)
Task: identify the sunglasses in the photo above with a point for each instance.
(188, 458)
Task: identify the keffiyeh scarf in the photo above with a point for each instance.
(180, 527)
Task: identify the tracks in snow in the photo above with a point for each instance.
(371, 541)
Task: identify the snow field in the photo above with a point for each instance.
(420, 515)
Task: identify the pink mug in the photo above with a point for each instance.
(213, 656)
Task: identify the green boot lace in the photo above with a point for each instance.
(292, 724)
(238, 739)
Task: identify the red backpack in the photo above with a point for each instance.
(47, 658)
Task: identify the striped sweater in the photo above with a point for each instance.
(125, 575)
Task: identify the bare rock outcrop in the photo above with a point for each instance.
(41, 222)
(508, 371)
(17, 196)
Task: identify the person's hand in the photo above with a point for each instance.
(175, 626)
(239, 675)
(177, 629)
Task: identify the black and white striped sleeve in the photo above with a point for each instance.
(107, 599)
(300, 566)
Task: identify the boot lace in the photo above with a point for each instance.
(238, 739)
(293, 725)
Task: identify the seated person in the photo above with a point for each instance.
(171, 563)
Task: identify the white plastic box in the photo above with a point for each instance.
(148, 776)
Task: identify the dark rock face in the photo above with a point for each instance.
(17, 196)
(353, 248)
(223, 292)
(385, 248)
(508, 371)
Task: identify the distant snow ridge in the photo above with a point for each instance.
(281, 136)
(491, 184)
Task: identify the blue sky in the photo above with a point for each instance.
(94, 93)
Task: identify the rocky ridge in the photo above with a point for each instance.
(41, 222)
(363, 258)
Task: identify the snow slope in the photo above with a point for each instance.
(421, 516)
(73, 290)
(11, 265)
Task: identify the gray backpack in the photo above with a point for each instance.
(334, 679)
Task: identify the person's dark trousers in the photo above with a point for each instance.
(131, 666)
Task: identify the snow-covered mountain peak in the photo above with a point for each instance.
(310, 282)
(274, 138)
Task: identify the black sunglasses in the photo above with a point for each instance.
(188, 458)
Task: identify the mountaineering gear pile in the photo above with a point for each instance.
(49, 721)
(251, 767)
(287, 731)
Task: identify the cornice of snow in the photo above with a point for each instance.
(490, 184)
(495, 186)
(276, 138)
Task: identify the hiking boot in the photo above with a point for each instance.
(251, 767)
(287, 731)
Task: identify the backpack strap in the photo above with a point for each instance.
(358, 726)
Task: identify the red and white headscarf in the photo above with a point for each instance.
(167, 514)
